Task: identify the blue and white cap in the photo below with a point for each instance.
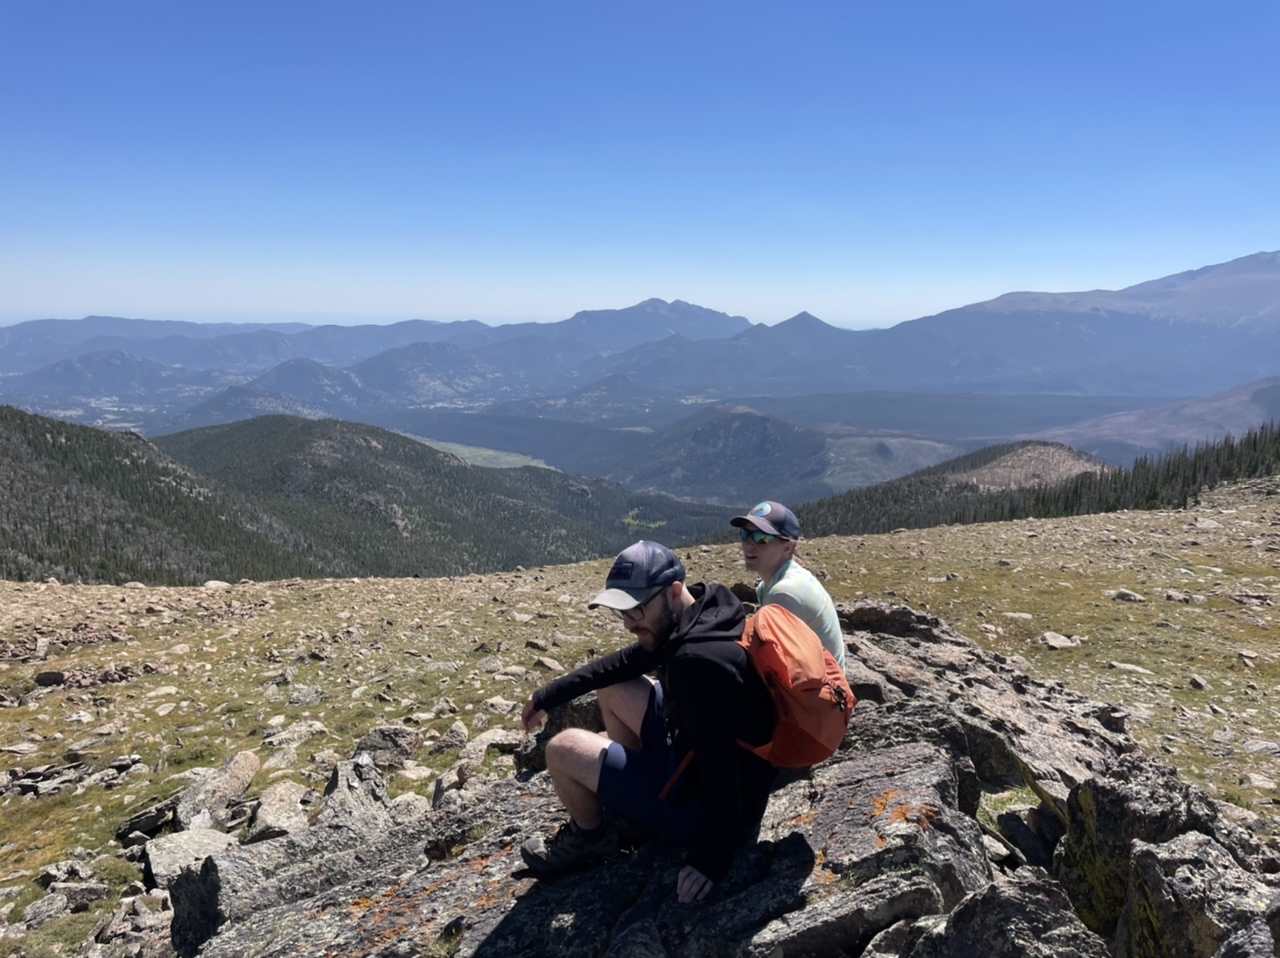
(771, 517)
(638, 571)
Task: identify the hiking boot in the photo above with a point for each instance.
(567, 850)
(631, 836)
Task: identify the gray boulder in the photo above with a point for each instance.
(214, 791)
(280, 812)
(167, 855)
(46, 909)
(1025, 915)
(390, 745)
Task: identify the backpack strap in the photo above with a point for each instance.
(675, 776)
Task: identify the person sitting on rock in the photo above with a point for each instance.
(769, 534)
(708, 696)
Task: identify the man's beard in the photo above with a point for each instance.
(665, 626)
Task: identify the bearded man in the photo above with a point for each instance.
(670, 762)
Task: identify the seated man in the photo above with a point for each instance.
(769, 535)
(708, 696)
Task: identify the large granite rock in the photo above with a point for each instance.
(211, 793)
(881, 852)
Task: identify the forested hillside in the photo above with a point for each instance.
(396, 506)
(948, 493)
(279, 497)
(79, 503)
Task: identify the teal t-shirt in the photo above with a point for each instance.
(798, 591)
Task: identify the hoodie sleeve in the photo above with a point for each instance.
(627, 663)
(705, 693)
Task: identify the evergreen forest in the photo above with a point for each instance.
(933, 496)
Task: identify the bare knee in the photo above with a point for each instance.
(608, 697)
(577, 753)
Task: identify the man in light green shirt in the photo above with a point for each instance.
(769, 535)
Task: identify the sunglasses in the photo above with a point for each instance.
(758, 537)
(636, 612)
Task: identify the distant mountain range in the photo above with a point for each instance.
(869, 404)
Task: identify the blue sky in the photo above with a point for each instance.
(869, 162)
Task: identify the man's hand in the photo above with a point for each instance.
(531, 716)
(692, 885)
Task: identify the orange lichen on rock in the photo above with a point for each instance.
(921, 816)
(881, 804)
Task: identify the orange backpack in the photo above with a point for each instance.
(810, 693)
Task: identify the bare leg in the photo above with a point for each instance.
(574, 758)
(623, 707)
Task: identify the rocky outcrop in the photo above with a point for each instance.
(894, 847)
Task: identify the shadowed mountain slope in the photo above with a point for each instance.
(277, 497)
(1121, 437)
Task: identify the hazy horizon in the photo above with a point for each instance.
(867, 163)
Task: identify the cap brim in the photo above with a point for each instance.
(620, 599)
(743, 522)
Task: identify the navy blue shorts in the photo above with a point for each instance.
(631, 780)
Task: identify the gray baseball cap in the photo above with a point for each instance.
(771, 517)
(638, 570)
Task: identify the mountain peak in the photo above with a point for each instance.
(802, 319)
(1241, 292)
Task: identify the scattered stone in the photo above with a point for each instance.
(390, 746)
(304, 695)
(1257, 746)
(1129, 667)
(63, 871)
(1200, 683)
(505, 740)
(148, 821)
(1127, 595)
(46, 909)
(416, 773)
(295, 734)
(1017, 615)
(547, 664)
(80, 895)
(499, 705)
(1056, 640)
(454, 738)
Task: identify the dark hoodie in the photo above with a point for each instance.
(713, 697)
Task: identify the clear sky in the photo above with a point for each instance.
(865, 160)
